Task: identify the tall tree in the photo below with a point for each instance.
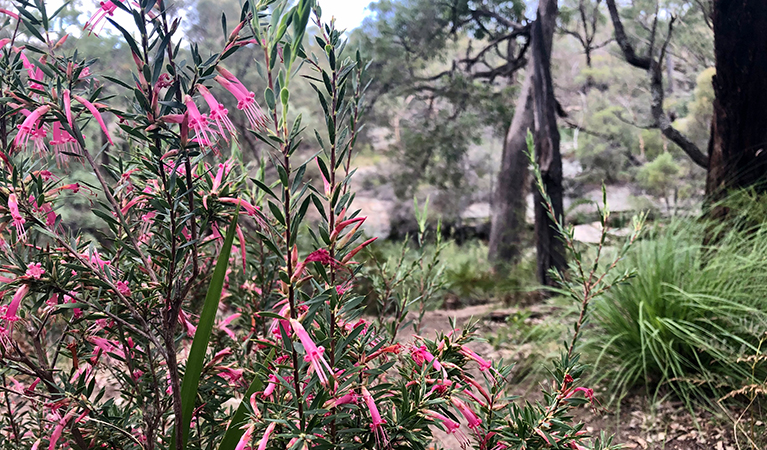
(738, 145)
(535, 110)
(652, 61)
(549, 245)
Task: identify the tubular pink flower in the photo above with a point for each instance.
(224, 324)
(265, 439)
(421, 354)
(451, 426)
(483, 363)
(468, 413)
(270, 387)
(106, 346)
(29, 125)
(249, 209)
(107, 8)
(38, 140)
(346, 399)
(62, 143)
(246, 100)
(233, 376)
(9, 14)
(245, 439)
(18, 219)
(56, 434)
(67, 106)
(199, 123)
(95, 112)
(375, 416)
(587, 392)
(218, 113)
(346, 259)
(313, 352)
(243, 250)
(13, 308)
(223, 170)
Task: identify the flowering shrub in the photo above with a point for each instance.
(157, 334)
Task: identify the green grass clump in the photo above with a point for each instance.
(690, 314)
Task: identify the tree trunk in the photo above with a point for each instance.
(738, 146)
(508, 221)
(549, 245)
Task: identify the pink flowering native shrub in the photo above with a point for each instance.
(208, 312)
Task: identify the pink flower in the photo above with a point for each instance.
(249, 209)
(224, 324)
(483, 363)
(347, 259)
(233, 376)
(271, 386)
(468, 413)
(218, 113)
(245, 439)
(451, 426)
(96, 114)
(28, 127)
(38, 140)
(265, 439)
(122, 288)
(62, 143)
(107, 9)
(96, 259)
(9, 14)
(346, 399)
(106, 346)
(587, 392)
(18, 219)
(67, 106)
(35, 270)
(375, 416)
(421, 354)
(313, 352)
(246, 100)
(56, 434)
(223, 170)
(13, 308)
(199, 123)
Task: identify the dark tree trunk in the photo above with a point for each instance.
(738, 146)
(508, 221)
(549, 245)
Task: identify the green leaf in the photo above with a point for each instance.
(199, 348)
(269, 97)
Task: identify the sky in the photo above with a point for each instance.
(348, 13)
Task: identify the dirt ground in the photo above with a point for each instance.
(666, 425)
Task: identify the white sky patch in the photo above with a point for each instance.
(348, 13)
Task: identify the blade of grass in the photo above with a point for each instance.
(199, 348)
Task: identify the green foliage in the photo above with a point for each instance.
(688, 316)
(194, 363)
(661, 177)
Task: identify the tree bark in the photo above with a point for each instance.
(508, 220)
(548, 242)
(738, 146)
